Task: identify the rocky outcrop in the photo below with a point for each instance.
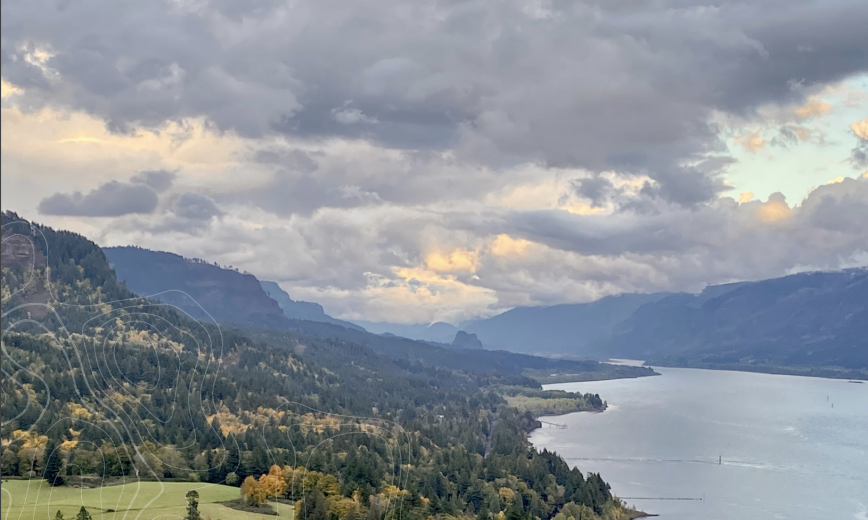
(465, 340)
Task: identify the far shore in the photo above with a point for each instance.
(813, 372)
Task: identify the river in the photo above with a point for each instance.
(742, 446)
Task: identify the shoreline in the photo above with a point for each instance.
(632, 514)
(747, 369)
(753, 369)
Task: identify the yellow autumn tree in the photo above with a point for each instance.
(252, 492)
(273, 483)
(507, 496)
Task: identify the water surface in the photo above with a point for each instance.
(744, 446)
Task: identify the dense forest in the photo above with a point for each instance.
(100, 385)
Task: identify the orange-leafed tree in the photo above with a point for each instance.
(273, 483)
(252, 492)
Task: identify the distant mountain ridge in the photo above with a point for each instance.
(200, 289)
(568, 329)
(438, 332)
(206, 291)
(817, 321)
(806, 319)
(297, 310)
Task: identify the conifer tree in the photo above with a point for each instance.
(52, 464)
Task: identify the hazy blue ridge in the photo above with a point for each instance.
(816, 319)
(568, 329)
(298, 310)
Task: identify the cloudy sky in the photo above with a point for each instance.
(442, 160)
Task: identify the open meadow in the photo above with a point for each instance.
(36, 500)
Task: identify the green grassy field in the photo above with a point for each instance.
(35, 499)
(540, 406)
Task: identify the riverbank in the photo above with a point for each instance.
(784, 370)
(604, 372)
(552, 404)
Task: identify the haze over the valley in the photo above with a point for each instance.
(425, 162)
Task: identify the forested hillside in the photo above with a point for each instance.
(99, 384)
(204, 291)
(813, 323)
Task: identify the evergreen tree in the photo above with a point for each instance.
(315, 505)
(233, 460)
(192, 505)
(52, 464)
(58, 515)
(82, 514)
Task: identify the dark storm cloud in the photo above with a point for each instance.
(828, 224)
(111, 199)
(195, 206)
(598, 189)
(158, 180)
(189, 213)
(839, 207)
(859, 154)
(598, 85)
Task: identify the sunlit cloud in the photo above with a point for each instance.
(751, 142)
(860, 128)
(813, 107)
(455, 261)
(8, 89)
(505, 245)
(775, 209)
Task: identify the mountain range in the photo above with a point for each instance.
(263, 310)
(208, 291)
(568, 329)
(298, 310)
(817, 320)
(813, 323)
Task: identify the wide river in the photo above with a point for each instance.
(743, 446)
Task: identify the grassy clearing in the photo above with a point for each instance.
(36, 500)
(541, 406)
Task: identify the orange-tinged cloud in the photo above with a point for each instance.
(751, 142)
(505, 245)
(813, 107)
(775, 210)
(836, 180)
(745, 197)
(417, 294)
(83, 139)
(860, 128)
(583, 209)
(8, 89)
(457, 261)
(78, 146)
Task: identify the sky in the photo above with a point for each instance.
(414, 162)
